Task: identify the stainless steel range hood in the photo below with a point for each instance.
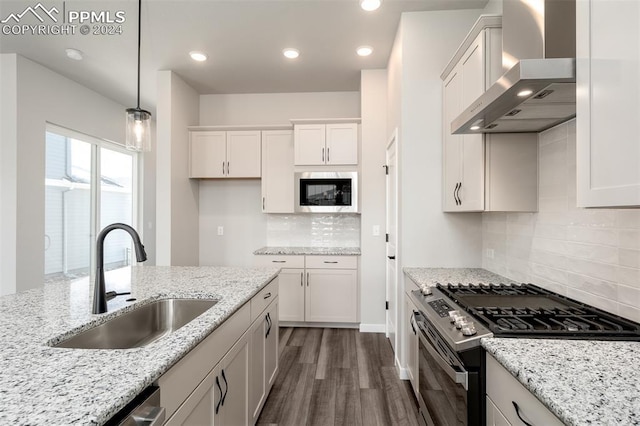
(538, 91)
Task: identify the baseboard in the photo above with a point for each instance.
(403, 374)
(372, 328)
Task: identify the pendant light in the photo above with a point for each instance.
(138, 137)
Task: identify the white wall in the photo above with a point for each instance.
(276, 108)
(427, 237)
(177, 235)
(493, 7)
(8, 171)
(234, 203)
(41, 96)
(373, 92)
(592, 255)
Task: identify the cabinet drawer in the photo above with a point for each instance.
(332, 262)
(260, 301)
(504, 390)
(280, 261)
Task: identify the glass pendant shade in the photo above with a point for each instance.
(138, 137)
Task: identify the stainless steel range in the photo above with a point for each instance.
(452, 319)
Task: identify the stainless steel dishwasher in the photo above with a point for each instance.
(144, 410)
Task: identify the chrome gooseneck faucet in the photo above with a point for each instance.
(99, 291)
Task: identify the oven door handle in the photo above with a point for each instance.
(459, 377)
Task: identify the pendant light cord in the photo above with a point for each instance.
(139, 25)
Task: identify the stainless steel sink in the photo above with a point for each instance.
(141, 326)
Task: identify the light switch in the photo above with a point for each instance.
(490, 253)
(220, 230)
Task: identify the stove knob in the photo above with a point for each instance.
(453, 315)
(460, 322)
(469, 329)
(426, 291)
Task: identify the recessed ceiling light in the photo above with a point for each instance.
(74, 54)
(524, 93)
(198, 56)
(369, 5)
(291, 53)
(364, 50)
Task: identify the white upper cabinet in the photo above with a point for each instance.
(608, 103)
(208, 154)
(224, 154)
(469, 160)
(319, 144)
(277, 171)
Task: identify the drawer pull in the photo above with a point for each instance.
(226, 387)
(326, 261)
(301, 279)
(518, 413)
(266, 296)
(279, 261)
(220, 390)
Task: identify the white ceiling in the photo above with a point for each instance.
(243, 39)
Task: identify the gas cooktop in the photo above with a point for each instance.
(526, 310)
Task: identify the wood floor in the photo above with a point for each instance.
(337, 377)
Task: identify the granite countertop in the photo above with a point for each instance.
(42, 385)
(429, 277)
(327, 251)
(583, 382)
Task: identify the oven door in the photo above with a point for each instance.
(442, 379)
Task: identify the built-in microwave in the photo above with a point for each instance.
(326, 192)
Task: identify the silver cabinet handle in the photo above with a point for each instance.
(263, 203)
(323, 155)
(301, 279)
(223, 168)
(328, 155)
(326, 261)
(149, 416)
(279, 261)
(307, 279)
(227, 168)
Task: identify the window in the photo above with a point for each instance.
(89, 184)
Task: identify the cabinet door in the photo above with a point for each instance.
(309, 144)
(271, 354)
(331, 295)
(452, 101)
(277, 171)
(234, 378)
(471, 192)
(342, 144)
(257, 388)
(207, 154)
(495, 416)
(608, 103)
(412, 345)
(291, 294)
(199, 408)
(243, 154)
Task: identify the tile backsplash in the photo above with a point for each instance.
(591, 255)
(317, 230)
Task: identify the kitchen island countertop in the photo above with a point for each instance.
(583, 382)
(43, 385)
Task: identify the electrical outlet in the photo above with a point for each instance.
(220, 230)
(376, 230)
(490, 253)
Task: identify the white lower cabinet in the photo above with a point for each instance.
(512, 403)
(263, 361)
(291, 294)
(316, 288)
(226, 379)
(412, 345)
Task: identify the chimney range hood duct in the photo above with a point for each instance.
(539, 89)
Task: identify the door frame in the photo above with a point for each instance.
(393, 141)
